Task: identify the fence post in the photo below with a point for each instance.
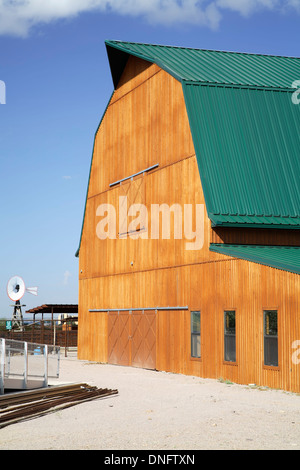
(66, 338)
(46, 365)
(2, 365)
(25, 364)
(58, 363)
(54, 333)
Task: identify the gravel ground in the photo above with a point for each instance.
(161, 411)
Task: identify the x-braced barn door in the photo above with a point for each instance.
(118, 338)
(143, 339)
(132, 338)
(132, 197)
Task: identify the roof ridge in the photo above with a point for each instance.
(200, 49)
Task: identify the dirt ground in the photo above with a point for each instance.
(161, 411)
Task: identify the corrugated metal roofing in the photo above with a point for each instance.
(247, 144)
(281, 257)
(216, 66)
(254, 221)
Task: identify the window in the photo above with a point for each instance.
(195, 334)
(229, 336)
(270, 338)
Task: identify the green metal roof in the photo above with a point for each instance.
(245, 129)
(209, 66)
(247, 143)
(286, 258)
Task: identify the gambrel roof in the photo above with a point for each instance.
(208, 66)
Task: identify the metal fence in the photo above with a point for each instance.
(26, 365)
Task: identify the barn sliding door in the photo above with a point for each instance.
(143, 339)
(118, 338)
(132, 338)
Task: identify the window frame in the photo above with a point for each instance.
(195, 334)
(268, 337)
(227, 335)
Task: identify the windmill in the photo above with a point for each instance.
(15, 291)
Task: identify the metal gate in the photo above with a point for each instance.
(132, 338)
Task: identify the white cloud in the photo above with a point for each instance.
(294, 4)
(17, 17)
(168, 12)
(247, 7)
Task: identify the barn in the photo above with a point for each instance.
(189, 254)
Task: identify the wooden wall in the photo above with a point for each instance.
(145, 124)
(247, 288)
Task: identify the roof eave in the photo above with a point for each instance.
(277, 263)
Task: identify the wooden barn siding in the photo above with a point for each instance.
(112, 256)
(247, 288)
(145, 124)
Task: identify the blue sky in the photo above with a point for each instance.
(54, 65)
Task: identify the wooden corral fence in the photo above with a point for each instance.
(46, 332)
